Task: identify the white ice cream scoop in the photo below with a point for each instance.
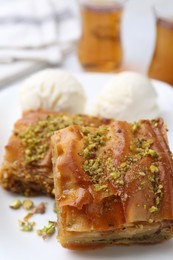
(54, 90)
(128, 96)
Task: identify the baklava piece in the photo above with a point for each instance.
(113, 184)
(27, 166)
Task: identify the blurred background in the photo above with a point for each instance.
(47, 33)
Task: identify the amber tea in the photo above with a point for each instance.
(162, 64)
(100, 44)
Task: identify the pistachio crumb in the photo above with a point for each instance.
(153, 209)
(123, 165)
(159, 189)
(153, 168)
(150, 220)
(121, 182)
(125, 196)
(99, 187)
(26, 226)
(157, 201)
(115, 174)
(35, 137)
(92, 165)
(142, 173)
(143, 183)
(27, 204)
(16, 204)
(47, 231)
(147, 143)
(135, 126)
(140, 226)
(54, 208)
(152, 152)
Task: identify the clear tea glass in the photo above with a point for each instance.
(161, 67)
(100, 47)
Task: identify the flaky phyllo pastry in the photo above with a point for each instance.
(113, 184)
(27, 166)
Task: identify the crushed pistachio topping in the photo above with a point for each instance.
(153, 209)
(47, 231)
(36, 137)
(135, 126)
(140, 226)
(153, 168)
(26, 226)
(115, 174)
(27, 204)
(157, 201)
(142, 173)
(93, 141)
(121, 182)
(159, 194)
(54, 208)
(157, 187)
(152, 152)
(93, 168)
(16, 204)
(99, 187)
(123, 165)
(140, 148)
(92, 165)
(143, 148)
(146, 144)
(125, 196)
(155, 122)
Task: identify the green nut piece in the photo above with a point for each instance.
(153, 168)
(16, 204)
(27, 204)
(54, 208)
(47, 231)
(153, 153)
(153, 209)
(26, 226)
(135, 126)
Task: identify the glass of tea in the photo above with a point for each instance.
(161, 66)
(100, 47)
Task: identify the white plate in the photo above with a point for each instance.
(15, 244)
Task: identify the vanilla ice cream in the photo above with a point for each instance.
(128, 96)
(54, 90)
